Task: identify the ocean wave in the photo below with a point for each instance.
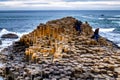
(113, 18)
(101, 18)
(5, 31)
(110, 18)
(117, 16)
(89, 17)
(118, 22)
(8, 42)
(105, 29)
(110, 35)
(118, 45)
(115, 37)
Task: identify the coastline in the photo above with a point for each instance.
(115, 45)
(72, 63)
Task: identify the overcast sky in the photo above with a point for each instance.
(59, 4)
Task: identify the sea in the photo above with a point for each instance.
(23, 22)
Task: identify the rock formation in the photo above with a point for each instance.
(52, 38)
(61, 53)
(0, 42)
(10, 36)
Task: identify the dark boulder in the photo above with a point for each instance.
(10, 36)
(0, 42)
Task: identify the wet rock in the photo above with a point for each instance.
(0, 42)
(10, 36)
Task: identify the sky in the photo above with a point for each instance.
(59, 4)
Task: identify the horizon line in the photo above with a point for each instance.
(63, 10)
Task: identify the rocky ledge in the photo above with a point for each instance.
(56, 51)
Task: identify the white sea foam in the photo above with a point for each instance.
(110, 18)
(105, 29)
(113, 18)
(107, 33)
(118, 45)
(5, 31)
(115, 37)
(101, 18)
(117, 16)
(8, 42)
(118, 22)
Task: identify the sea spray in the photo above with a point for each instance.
(8, 42)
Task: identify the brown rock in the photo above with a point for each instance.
(117, 70)
(117, 78)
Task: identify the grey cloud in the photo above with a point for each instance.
(7, 0)
(35, 3)
(65, 0)
(88, 0)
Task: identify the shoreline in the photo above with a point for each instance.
(82, 58)
(115, 45)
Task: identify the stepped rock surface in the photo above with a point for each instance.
(56, 51)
